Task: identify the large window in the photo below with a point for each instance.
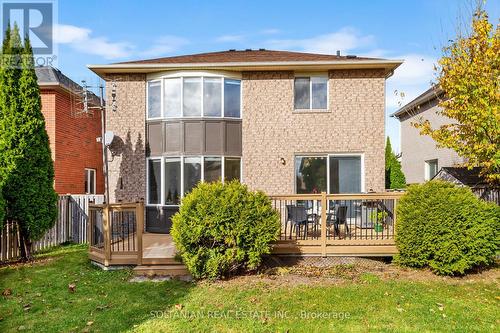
(311, 92)
(331, 174)
(181, 174)
(200, 96)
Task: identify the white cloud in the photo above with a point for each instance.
(164, 45)
(230, 38)
(410, 79)
(81, 39)
(346, 39)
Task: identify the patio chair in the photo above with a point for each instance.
(298, 218)
(339, 218)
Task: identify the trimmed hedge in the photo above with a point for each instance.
(224, 228)
(446, 228)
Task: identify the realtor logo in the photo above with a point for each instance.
(35, 19)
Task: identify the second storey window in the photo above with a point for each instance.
(311, 92)
(194, 96)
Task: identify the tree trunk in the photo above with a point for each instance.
(25, 246)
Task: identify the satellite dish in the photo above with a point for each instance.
(108, 137)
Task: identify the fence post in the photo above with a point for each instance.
(394, 214)
(139, 215)
(69, 225)
(107, 236)
(324, 203)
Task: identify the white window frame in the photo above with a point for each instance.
(181, 159)
(327, 156)
(202, 75)
(310, 76)
(94, 171)
(427, 169)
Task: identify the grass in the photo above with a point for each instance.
(104, 301)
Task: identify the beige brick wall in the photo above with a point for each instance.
(354, 123)
(127, 173)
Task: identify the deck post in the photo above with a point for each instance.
(139, 215)
(394, 216)
(324, 203)
(107, 234)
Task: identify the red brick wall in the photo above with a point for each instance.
(73, 142)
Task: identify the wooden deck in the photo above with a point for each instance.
(331, 225)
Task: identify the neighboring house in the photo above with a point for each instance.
(72, 133)
(280, 122)
(420, 158)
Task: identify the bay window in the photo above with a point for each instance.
(170, 178)
(194, 96)
(311, 92)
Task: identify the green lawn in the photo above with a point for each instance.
(107, 302)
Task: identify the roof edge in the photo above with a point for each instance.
(429, 95)
(391, 65)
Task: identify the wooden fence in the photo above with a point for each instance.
(490, 194)
(71, 225)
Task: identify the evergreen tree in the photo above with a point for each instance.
(26, 170)
(394, 177)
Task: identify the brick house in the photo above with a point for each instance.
(72, 134)
(281, 122)
(421, 159)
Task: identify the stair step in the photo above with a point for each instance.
(161, 270)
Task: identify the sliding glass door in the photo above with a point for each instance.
(335, 173)
(345, 174)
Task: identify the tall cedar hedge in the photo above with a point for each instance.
(26, 167)
(394, 176)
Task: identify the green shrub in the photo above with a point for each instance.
(446, 228)
(223, 228)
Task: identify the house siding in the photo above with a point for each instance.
(417, 149)
(353, 123)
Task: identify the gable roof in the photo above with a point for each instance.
(49, 76)
(427, 96)
(462, 175)
(248, 60)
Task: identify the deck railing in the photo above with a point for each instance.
(116, 232)
(315, 222)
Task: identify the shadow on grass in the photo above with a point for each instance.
(36, 296)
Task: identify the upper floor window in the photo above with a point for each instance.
(311, 92)
(194, 96)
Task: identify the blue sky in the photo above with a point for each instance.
(91, 32)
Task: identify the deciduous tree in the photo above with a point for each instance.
(469, 74)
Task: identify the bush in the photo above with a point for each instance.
(223, 228)
(446, 228)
